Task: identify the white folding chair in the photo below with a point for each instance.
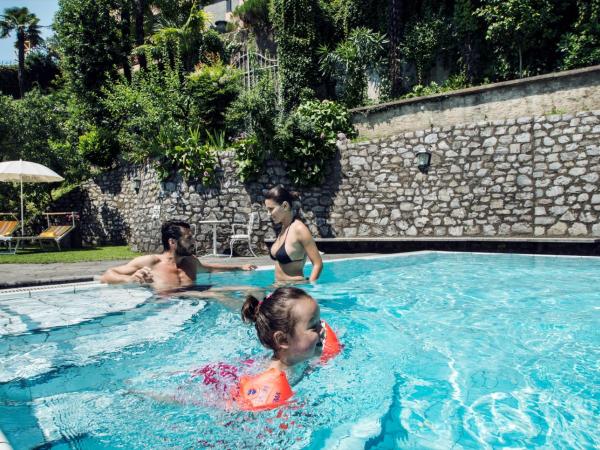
(242, 237)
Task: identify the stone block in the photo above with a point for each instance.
(578, 229)
(558, 229)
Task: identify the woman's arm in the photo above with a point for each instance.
(222, 267)
(312, 252)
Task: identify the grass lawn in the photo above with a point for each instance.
(34, 255)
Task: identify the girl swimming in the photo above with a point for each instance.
(288, 322)
(294, 242)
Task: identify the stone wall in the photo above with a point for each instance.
(556, 93)
(526, 177)
(112, 211)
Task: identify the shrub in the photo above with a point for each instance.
(306, 140)
(350, 62)
(251, 120)
(453, 83)
(185, 153)
(249, 157)
(98, 147)
(211, 89)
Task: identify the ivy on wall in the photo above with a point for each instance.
(295, 24)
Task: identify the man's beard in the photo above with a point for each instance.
(183, 251)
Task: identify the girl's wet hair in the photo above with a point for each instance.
(273, 313)
(279, 194)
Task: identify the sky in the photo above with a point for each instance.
(44, 9)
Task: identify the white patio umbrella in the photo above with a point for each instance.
(26, 172)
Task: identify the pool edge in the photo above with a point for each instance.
(4, 444)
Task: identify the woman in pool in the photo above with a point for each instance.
(294, 242)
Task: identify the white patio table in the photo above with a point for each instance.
(214, 224)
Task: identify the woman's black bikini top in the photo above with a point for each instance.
(281, 255)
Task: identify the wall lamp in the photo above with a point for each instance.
(136, 183)
(423, 161)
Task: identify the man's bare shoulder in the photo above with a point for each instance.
(145, 260)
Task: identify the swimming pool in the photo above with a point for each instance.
(441, 350)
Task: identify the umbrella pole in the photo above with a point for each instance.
(22, 223)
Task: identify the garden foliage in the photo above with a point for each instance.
(306, 141)
(252, 122)
(295, 23)
(149, 81)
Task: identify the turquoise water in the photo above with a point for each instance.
(441, 351)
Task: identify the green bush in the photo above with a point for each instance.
(249, 157)
(306, 140)
(192, 158)
(255, 111)
(98, 147)
(210, 91)
(252, 120)
(350, 62)
(453, 83)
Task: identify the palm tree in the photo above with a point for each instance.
(25, 25)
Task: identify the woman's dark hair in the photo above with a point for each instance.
(272, 314)
(171, 229)
(279, 194)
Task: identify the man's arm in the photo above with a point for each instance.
(138, 270)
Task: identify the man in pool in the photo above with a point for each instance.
(175, 269)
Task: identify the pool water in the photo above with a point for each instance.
(442, 350)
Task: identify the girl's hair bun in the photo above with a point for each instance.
(250, 309)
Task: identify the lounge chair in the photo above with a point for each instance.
(54, 233)
(7, 228)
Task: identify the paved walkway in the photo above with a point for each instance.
(20, 275)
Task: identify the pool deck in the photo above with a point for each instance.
(24, 275)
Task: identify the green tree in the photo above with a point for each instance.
(41, 67)
(581, 46)
(252, 122)
(25, 25)
(517, 25)
(139, 9)
(188, 36)
(421, 43)
(34, 129)
(295, 23)
(465, 27)
(90, 47)
(350, 62)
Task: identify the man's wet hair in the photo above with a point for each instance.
(172, 229)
